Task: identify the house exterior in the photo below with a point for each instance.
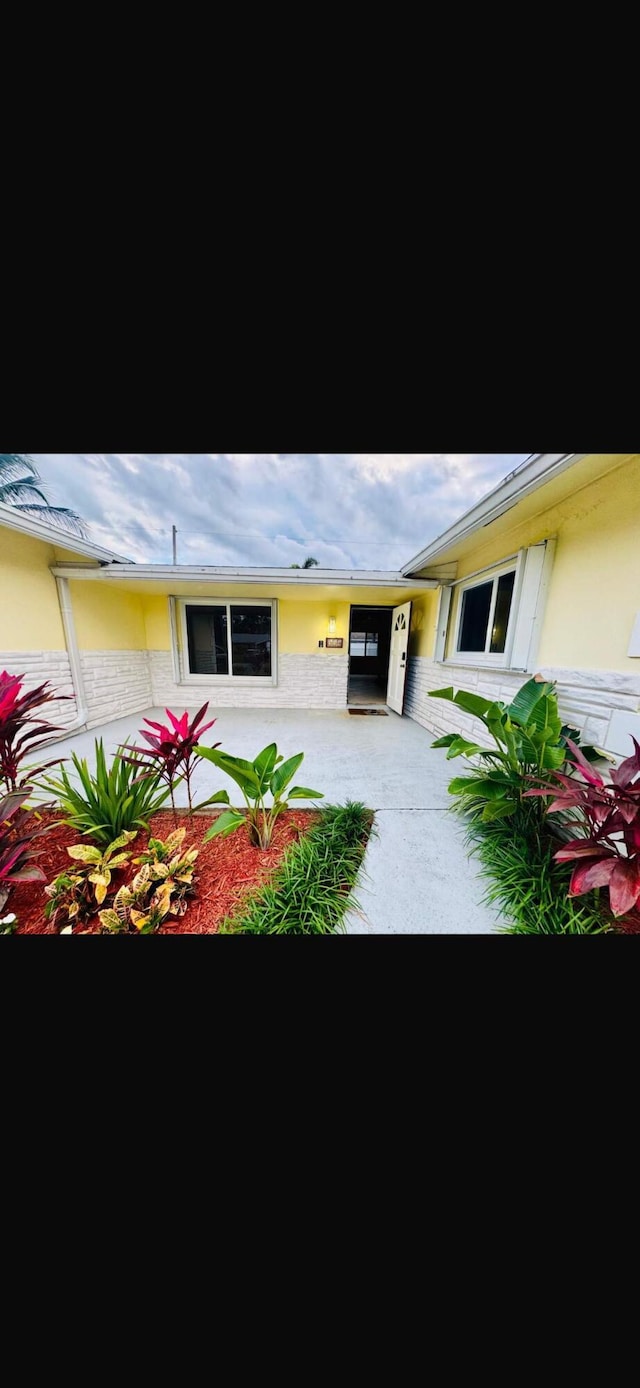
(121, 637)
(542, 575)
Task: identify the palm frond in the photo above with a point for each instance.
(18, 490)
(15, 463)
(12, 493)
(59, 516)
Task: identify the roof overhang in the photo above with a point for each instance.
(189, 573)
(527, 478)
(14, 519)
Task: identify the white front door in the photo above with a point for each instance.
(398, 656)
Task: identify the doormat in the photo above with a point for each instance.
(370, 712)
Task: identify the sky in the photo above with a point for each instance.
(347, 510)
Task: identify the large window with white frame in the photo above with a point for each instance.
(226, 640)
(494, 617)
(485, 617)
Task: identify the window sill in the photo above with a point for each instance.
(224, 681)
(453, 663)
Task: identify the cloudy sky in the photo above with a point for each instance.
(348, 510)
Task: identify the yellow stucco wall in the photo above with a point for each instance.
(155, 613)
(594, 593)
(29, 612)
(302, 623)
(424, 613)
(107, 620)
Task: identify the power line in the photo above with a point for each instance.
(305, 540)
(295, 539)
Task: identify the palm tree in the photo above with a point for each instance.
(308, 564)
(19, 477)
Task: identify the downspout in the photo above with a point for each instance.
(66, 612)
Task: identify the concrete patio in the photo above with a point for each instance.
(419, 879)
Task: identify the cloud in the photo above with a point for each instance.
(348, 510)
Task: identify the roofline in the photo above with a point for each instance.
(524, 479)
(185, 573)
(14, 519)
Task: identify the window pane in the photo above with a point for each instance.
(372, 643)
(476, 603)
(358, 645)
(251, 640)
(501, 614)
(207, 634)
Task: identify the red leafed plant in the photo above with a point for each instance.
(170, 753)
(608, 854)
(16, 836)
(21, 734)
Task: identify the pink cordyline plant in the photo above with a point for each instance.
(170, 754)
(608, 855)
(21, 733)
(17, 833)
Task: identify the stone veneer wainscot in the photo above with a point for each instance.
(586, 698)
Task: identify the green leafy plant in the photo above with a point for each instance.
(527, 885)
(313, 887)
(270, 775)
(529, 738)
(80, 890)
(106, 804)
(8, 923)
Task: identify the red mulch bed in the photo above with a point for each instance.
(227, 870)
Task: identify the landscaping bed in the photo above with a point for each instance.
(228, 871)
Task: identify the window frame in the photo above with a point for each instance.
(366, 643)
(250, 681)
(500, 659)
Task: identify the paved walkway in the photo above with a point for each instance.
(419, 879)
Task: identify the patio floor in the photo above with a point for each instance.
(419, 877)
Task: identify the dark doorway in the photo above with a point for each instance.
(369, 646)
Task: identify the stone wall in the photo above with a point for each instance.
(304, 681)
(115, 683)
(38, 666)
(586, 698)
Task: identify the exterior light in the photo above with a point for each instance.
(332, 626)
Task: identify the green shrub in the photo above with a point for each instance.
(108, 803)
(516, 859)
(313, 888)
